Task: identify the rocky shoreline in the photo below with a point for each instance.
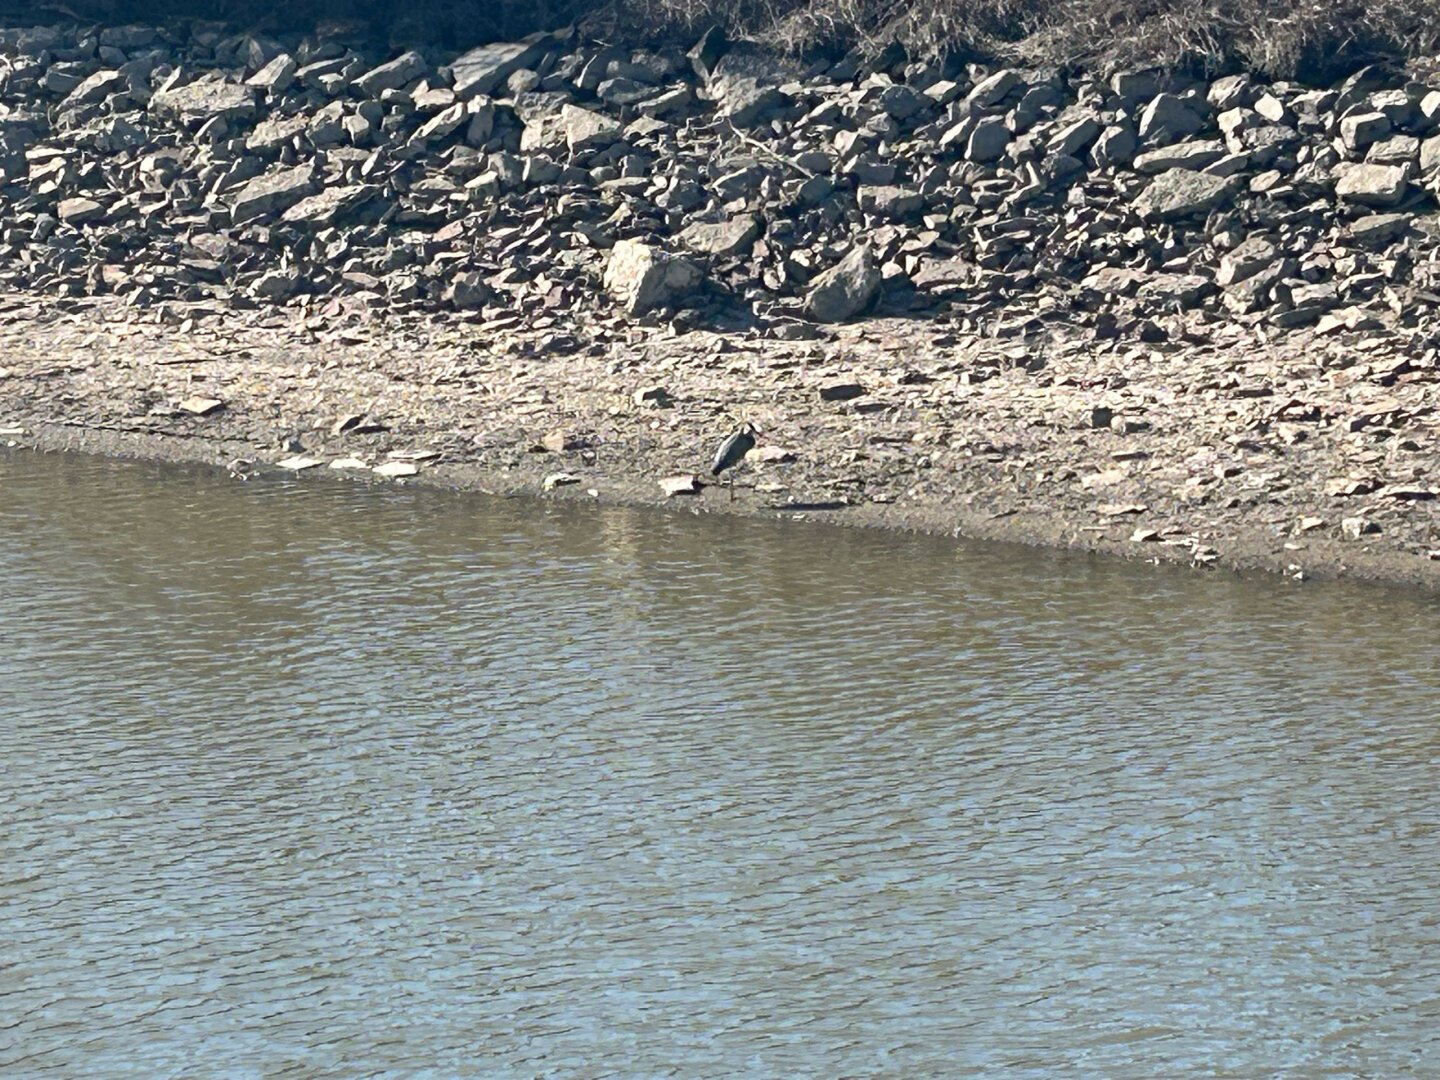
(1145, 315)
(1211, 456)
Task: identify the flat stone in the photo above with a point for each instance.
(96, 87)
(1359, 130)
(1180, 193)
(395, 469)
(325, 206)
(722, 239)
(1188, 155)
(205, 99)
(79, 211)
(276, 76)
(403, 70)
(1372, 185)
(484, 69)
(272, 193)
(684, 484)
(201, 406)
(299, 463)
(842, 392)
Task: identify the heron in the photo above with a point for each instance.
(733, 450)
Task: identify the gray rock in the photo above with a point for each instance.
(1180, 193)
(988, 141)
(484, 69)
(403, 70)
(846, 289)
(1073, 138)
(468, 291)
(1245, 260)
(993, 89)
(744, 85)
(1359, 130)
(272, 193)
(79, 211)
(587, 130)
(1372, 185)
(1167, 119)
(641, 277)
(1190, 155)
(276, 76)
(1115, 147)
(890, 201)
(724, 239)
(205, 99)
(96, 88)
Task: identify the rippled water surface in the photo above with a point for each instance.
(304, 779)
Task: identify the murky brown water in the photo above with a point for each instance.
(300, 779)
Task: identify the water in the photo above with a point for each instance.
(302, 779)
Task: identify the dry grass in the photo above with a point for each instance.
(1283, 38)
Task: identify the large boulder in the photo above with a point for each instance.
(641, 277)
(846, 289)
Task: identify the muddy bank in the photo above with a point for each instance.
(1302, 459)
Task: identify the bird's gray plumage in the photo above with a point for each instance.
(733, 450)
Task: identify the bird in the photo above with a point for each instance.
(733, 450)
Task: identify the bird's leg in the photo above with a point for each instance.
(732, 486)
